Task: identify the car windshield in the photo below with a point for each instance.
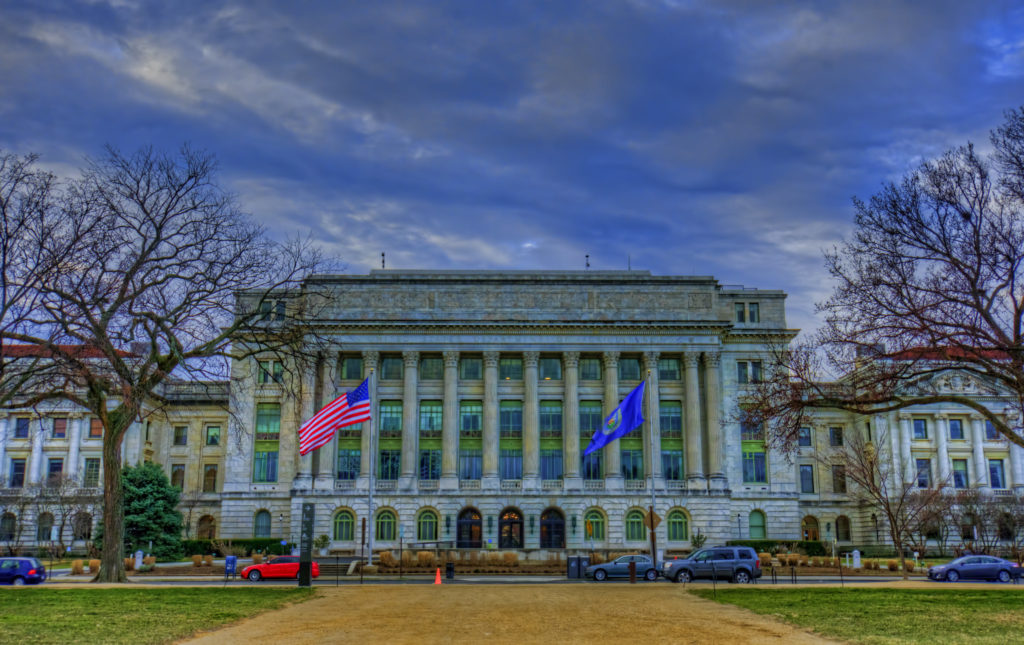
(36, 563)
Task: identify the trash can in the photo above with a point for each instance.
(572, 567)
(449, 570)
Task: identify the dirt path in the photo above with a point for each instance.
(560, 614)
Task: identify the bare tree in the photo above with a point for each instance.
(189, 503)
(65, 497)
(976, 516)
(932, 279)
(154, 256)
(13, 512)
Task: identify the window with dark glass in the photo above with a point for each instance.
(924, 473)
(806, 478)
(352, 368)
(510, 419)
(632, 464)
(60, 427)
(629, 369)
(671, 418)
(750, 431)
(668, 369)
(430, 464)
(17, 479)
(754, 468)
(470, 463)
(551, 464)
(54, 469)
(550, 419)
(391, 418)
(180, 435)
(956, 429)
(348, 463)
(91, 475)
(470, 418)
(510, 463)
(590, 417)
(210, 478)
(590, 369)
(672, 465)
(991, 434)
(390, 464)
(804, 437)
(550, 369)
(471, 369)
(592, 465)
(391, 368)
(741, 312)
(960, 473)
(753, 312)
(178, 476)
(835, 437)
(213, 435)
(264, 464)
(270, 372)
(430, 418)
(431, 368)
(997, 478)
(21, 428)
(838, 478)
(510, 369)
(920, 428)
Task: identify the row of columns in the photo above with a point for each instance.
(34, 467)
(699, 473)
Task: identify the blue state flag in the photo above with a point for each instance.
(624, 419)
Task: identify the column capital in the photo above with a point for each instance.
(571, 359)
(651, 359)
(691, 359)
(713, 359)
(491, 359)
(530, 358)
(904, 416)
(411, 358)
(941, 416)
(451, 358)
(611, 358)
(371, 358)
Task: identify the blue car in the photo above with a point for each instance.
(976, 567)
(21, 571)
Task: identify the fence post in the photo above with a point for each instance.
(714, 581)
(792, 574)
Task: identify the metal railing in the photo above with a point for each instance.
(511, 484)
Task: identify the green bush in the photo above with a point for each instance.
(271, 546)
(760, 546)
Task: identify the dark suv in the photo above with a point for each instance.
(734, 563)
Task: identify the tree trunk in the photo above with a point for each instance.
(112, 556)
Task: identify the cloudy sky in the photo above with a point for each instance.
(718, 138)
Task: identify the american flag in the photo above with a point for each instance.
(348, 409)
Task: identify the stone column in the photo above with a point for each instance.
(304, 475)
(942, 454)
(652, 429)
(716, 474)
(449, 423)
(694, 445)
(370, 428)
(893, 439)
(490, 429)
(74, 444)
(571, 421)
(531, 422)
(978, 452)
(1016, 467)
(35, 468)
(327, 463)
(410, 420)
(612, 455)
(3, 450)
(909, 467)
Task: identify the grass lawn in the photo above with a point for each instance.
(946, 615)
(107, 615)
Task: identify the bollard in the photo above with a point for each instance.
(841, 583)
(792, 575)
(632, 573)
(714, 581)
(775, 577)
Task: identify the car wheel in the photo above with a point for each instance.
(1004, 576)
(683, 576)
(651, 575)
(254, 575)
(19, 581)
(742, 577)
(600, 575)
(952, 576)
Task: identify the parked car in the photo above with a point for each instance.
(283, 566)
(619, 568)
(733, 563)
(976, 567)
(21, 571)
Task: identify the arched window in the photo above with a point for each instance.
(843, 528)
(510, 529)
(344, 526)
(385, 526)
(635, 529)
(809, 528)
(44, 527)
(426, 526)
(756, 523)
(469, 529)
(207, 528)
(593, 524)
(261, 524)
(678, 527)
(81, 526)
(8, 526)
(552, 529)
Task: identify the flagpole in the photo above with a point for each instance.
(650, 425)
(373, 454)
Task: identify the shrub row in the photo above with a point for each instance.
(244, 547)
(806, 547)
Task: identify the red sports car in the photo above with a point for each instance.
(283, 566)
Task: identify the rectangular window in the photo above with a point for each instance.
(741, 312)
(60, 427)
(390, 464)
(268, 421)
(924, 473)
(672, 465)
(431, 369)
(550, 419)
(632, 464)
(920, 428)
(956, 429)
(751, 431)
(590, 369)
(391, 368)
(470, 463)
(835, 437)
(510, 463)
(550, 369)
(270, 372)
(180, 435)
(754, 470)
(352, 368)
(213, 435)
(391, 418)
(629, 369)
(95, 428)
(471, 369)
(210, 478)
(510, 369)
(471, 414)
(510, 419)
(430, 465)
(590, 417)
(54, 469)
(804, 437)
(960, 473)
(551, 464)
(349, 463)
(991, 434)
(748, 372)
(668, 369)
(592, 465)
(17, 479)
(264, 462)
(838, 478)
(806, 478)
(178, 476)
(91, 476)
(670, 415)
(21, 428)
(430, 418)
(753, 312)
(995, 472)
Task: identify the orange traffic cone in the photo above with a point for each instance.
(437, 578)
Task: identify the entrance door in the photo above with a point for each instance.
(510, 529)
(552, 530)
(809, 528)
(470, 530)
